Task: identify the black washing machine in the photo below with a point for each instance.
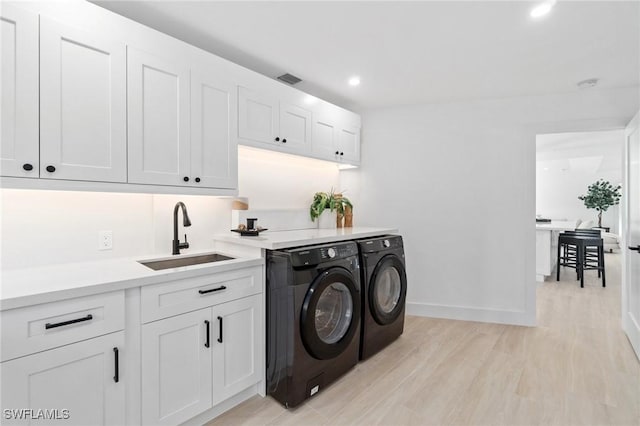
(313, 318)
(384, 291)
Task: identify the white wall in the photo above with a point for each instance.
(458, 179)
(47, 227)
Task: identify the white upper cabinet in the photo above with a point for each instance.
(82, 105)
(336, 141)
(19, 90)
(295, 128)
(159, 129)
(349, 144)
(258, 117)
(274, 119)
(214, 142)
(182, 123)
(325, 137)
(267, 122)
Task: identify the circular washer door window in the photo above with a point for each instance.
(330, 314)
(387, 290)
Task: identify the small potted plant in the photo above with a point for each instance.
(600, 196)
(327, 208)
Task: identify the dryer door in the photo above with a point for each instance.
(330, 313)
(387, 289)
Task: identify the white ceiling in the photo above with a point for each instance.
(592, 152)
(411, 52)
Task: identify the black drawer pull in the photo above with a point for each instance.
(212, 290)
(207, 343)
(63, 323)
(116, 353)
(220, 323)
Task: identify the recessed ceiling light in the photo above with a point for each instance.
(588, 83)
(354, 81)
(542, 9)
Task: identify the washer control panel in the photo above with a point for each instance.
(313, 255)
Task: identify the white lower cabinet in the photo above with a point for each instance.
(78, 384)
(192, 361)
(237, 347)
(176, 368)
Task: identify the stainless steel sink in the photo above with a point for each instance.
(176, 262)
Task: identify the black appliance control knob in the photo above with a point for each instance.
(28, 167)
(50, 169)
(331, 252)
(386, 243)
(186, 178)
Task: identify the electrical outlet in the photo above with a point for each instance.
(105, 240)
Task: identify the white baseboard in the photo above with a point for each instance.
(472, 314)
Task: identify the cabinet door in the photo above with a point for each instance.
(82, 105)
(349, 144)
(19, 90)
(80, 378)
(176, 368)
(238, 347)
(258, 118)
(295, 128)
(325, 135)
(214, 143)
(158, 108)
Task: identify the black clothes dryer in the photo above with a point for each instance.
(384, 291)
(313, 318)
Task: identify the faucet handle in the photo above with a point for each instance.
(185, 238)
(186, 243)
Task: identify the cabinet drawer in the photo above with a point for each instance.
(48, 325)
(180, 296)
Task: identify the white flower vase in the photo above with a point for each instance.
(328, 220)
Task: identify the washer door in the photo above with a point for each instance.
(387, 290)
(330, 313)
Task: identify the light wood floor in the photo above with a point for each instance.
(575, 368)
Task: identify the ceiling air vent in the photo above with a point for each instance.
(289, 78)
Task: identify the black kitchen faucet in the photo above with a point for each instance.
(177, 245)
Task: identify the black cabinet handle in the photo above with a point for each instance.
(337, 152)
(277, 139)
(284, 141)
(28, 167)
(49, 325)
(51, 169)
(116, 353)
(186, 178)
(198, 180)
(220, 323)
(212, 290)
(207, 343)
(635, 248)
(342, 153)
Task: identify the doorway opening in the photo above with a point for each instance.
(566, 165)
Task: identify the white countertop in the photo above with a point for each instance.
(30, 286)
(274, 240)
(557, 225)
